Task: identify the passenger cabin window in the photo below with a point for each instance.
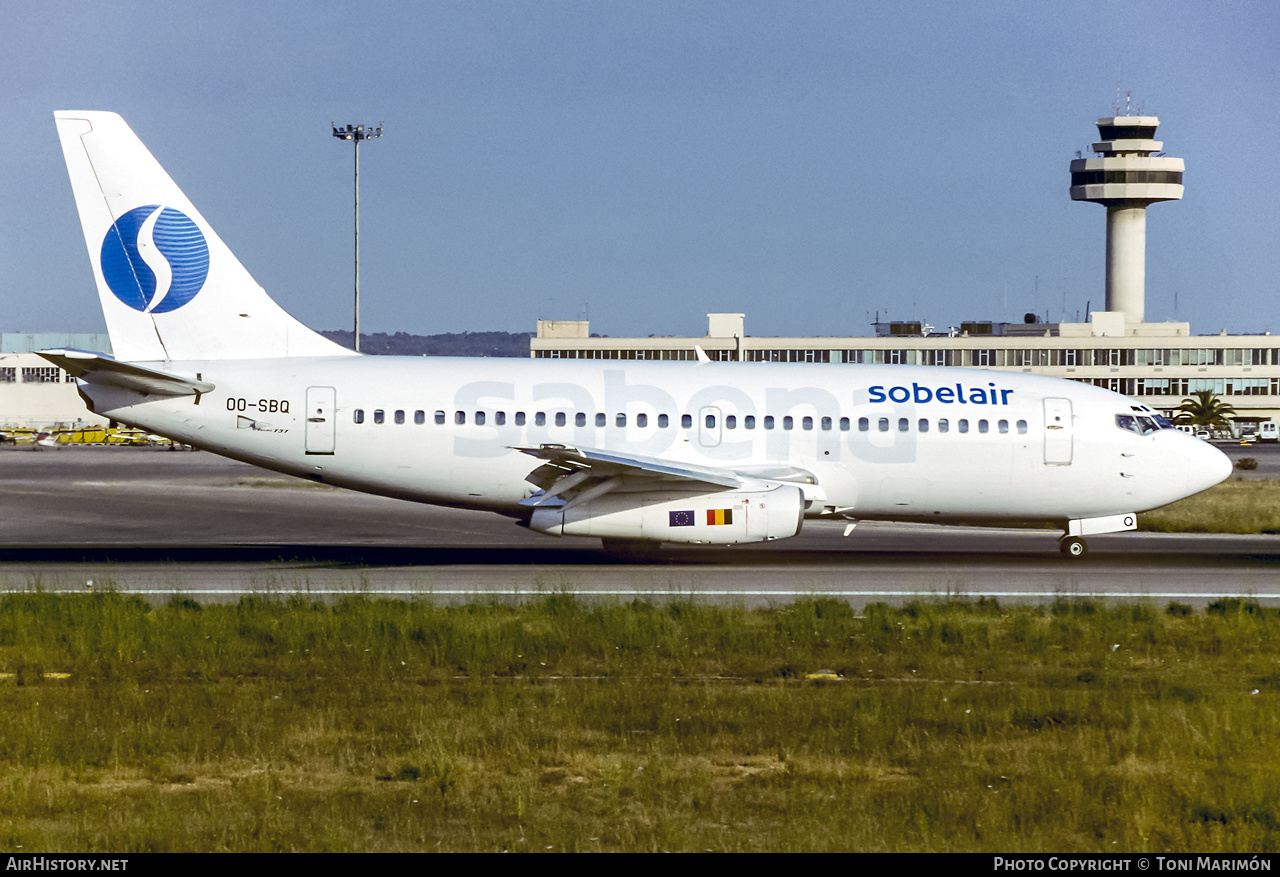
(686, 421)
(884, 424)
(944, 425)
(982, 426)
(863, 424)
(1003, 426)
(963, 425)
(399, 417)
(460, 417)
(439, 417)
(749, 422)
(379, 415)
(560, 418)
(642, 420)
(768, 421)
(1022, 427)
(519, 418)
(730, 422)
(903, 424)
(540, 419)
(358, 415)
(788, 422)
(807, 423)
(419, 417)
(662, 421)
(580, 419)
(479, 418)
(500, 418)
(601, 420)
(923, 424)
(620, 420)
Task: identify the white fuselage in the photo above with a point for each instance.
(632, 452)
(897, 442)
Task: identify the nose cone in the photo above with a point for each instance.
(1205, 465)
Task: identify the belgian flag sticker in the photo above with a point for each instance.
(719, 516)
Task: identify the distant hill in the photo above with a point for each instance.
(448, 344)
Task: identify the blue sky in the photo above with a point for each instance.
(811, 164)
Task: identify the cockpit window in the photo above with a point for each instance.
(1161, 421)
(1139, 424)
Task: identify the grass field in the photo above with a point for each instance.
(1234, 506)
(561, 725)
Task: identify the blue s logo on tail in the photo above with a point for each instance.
(155, 259)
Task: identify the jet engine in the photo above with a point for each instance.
(730, 517)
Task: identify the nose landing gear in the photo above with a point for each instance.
(1072, 543)
(1073, 546)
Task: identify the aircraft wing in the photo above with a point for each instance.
(98, 368)
(576, 474)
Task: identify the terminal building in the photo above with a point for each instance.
(1158, 363)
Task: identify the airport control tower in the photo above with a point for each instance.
(1125, 177)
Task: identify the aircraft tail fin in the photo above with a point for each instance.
(170, 288)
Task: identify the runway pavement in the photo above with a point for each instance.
(158, 522)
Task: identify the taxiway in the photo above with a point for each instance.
(159, 522)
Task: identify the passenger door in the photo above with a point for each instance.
(1057, 432)
(320, 420)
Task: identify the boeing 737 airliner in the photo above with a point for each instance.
(635, 453)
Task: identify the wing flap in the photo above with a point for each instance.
(574, 474)
(573, 459)
(98, 368)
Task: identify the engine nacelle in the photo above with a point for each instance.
(772, 511)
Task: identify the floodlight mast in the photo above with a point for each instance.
(357, 133)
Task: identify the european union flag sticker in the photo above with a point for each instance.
(680, 519)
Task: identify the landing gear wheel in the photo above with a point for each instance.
(632, 550)
(1072, 546)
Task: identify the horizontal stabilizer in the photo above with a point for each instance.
(98, 368)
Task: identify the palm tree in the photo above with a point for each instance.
(1205, 410)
